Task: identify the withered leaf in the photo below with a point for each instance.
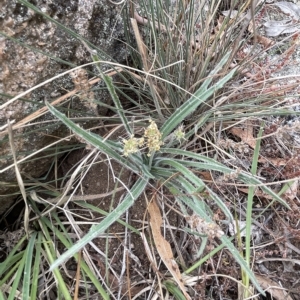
(289, 8)
(275, 28)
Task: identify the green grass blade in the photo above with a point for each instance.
(174, 290)
(185, 172)
(8, 260)
(200, 185)
(18, 275)
(63, 237)
(225, 240)
(12, 270)
(191, 199)
(60, 281)
(36, 267)
(92, 139)
(214, 165)
(250, 180)
(91, 207)
(191, 105)
(27, 269)
(239, 259)
(110, 86)
(211, 75)
(133, 194)
(251, 193)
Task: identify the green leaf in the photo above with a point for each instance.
(91, 207)
(225, 240)
(64, 238)
(119, 108)
(36, 267)
(174, 290)
(214, 165)
(17, 278)
(96, 141)
(241, 262)
(10, 258)
(201, 95)
(199, 184)
(128, 201)
(251, 193)
(27, 269)
(60, 281)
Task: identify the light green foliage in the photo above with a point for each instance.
(179, 134)
(186, 181)
(132, 145)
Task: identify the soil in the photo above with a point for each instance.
(99, 180)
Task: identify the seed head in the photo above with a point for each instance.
(179, 133)
(153, 137)
(132, 145)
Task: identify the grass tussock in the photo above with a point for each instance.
(191, 122)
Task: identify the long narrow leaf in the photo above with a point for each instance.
(36, 267)
(92, 139)
(27, 269)
(134, 193)
(8, 260)
(17, 278)
(67, 243)
(251, 193)
(210, 76)
(11, 271)
(200, 185)
(60, 281)
(214, 165)
(189, 106)
(225, 240)
(91, 207)
(120, 111)
(65, 240)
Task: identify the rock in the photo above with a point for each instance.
(27, 37)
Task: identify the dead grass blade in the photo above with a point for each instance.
(38, 113)
(19, 178)
(77, 276)
(143, 52)
(163, 247)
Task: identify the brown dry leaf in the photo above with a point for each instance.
(246, 135)
(276, 162)
(205, 175)
(266, 42)
(163, 247)
(272, 288)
